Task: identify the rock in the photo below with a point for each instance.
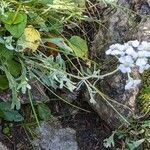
(52, 136)
(118, 27)
(144, 30)
(145, 9)
(123, 101)
(3, 147)
(119, 30)
(37, 91)
(148, 1)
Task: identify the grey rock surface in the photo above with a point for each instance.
(52, 136)
(125, 102)
(3, 147)
(120, 28)
(145, 9)
(144, 30)
(148, 2)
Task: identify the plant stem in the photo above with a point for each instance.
(60, 97)
(33, 109)
(102, 95)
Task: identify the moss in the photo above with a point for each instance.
(145, 93)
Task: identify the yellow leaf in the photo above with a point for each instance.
(30, 39)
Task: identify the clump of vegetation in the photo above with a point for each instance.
(26, 27)
(145, 94)
(31, 34)
(135, 137)
(34, 48)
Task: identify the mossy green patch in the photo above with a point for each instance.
(145, 93)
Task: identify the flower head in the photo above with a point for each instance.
(131, 84)
(115, 49)
(131, 54)
(126, 64)
(135, 43)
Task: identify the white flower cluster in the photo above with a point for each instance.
(131, 54)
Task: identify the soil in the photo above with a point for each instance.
(90, 129)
